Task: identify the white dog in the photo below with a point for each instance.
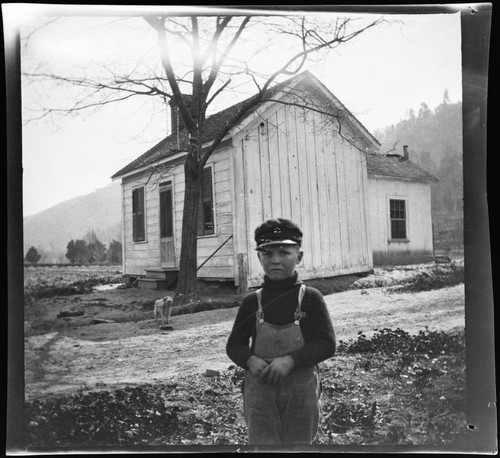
(163, 308)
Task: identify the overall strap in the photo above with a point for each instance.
(302, 291)
(260, 313)
(298, 312)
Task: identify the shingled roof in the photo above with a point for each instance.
(174, 144)
(390, 166)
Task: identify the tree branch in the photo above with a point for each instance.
(216, 67)
(198, 99)
(158, 25)
(212, 46)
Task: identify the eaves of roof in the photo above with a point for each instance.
(378, 164)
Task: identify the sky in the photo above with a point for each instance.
(379, 77)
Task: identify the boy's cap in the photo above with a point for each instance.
(277, 232)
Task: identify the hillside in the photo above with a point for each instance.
(434, 139)
(432, 135)
(51, 230)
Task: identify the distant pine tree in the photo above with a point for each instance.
(97, 252)
(115, 252)
(32, 256)
(77, 252)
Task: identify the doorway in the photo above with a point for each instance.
(167, 248)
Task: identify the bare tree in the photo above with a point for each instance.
(211, 67)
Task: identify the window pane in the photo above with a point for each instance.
(398, 229)
(138, 200)
(397, 210)
(138, 232)
(166, 226)
(208, 224)
(205, 204)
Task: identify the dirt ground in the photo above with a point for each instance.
(115, 340)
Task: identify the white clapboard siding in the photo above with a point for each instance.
(324, 204)
(294, 166)
(140, 256)
(313, 239)
(303, 184)
(419, 244)
(220, 265)
(146, 254)
(265, 168)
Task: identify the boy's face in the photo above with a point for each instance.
(279, 261)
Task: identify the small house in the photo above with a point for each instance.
(281, 160)
(400, 209)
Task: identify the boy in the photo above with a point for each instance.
(291, 332)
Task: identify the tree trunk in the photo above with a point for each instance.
(186, 284)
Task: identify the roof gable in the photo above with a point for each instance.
(216, 123)
(378, 164)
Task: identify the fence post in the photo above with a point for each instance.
(243, 273)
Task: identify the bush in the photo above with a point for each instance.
(345, 415)
(128, 416)
(194, 410)
(438, 277)
(397, 341)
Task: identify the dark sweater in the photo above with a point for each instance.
(279, 302)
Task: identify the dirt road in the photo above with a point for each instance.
(134, 352)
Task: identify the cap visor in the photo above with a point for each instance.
(275, 243)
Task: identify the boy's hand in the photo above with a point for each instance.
(256, 365)
(277, 369)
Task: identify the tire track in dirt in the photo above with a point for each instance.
(42, 345)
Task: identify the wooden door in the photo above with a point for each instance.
(167, 248)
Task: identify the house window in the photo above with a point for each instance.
(138, 220)
(397, 209)
(166, 212)
(206, 224)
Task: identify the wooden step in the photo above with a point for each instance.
(168, 275)
(155, 273)
(152, 283)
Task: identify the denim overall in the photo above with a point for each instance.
(287, 413)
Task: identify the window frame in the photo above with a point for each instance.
(200, 230)
(167, 186)
(391, 237)
(136, 237)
